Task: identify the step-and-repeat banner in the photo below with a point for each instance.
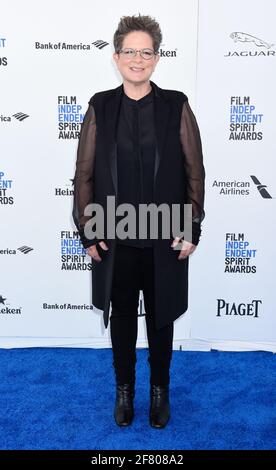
(53, 58)
(235, 266)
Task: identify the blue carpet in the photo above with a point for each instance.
(64, 398)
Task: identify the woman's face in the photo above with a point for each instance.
(136, 70)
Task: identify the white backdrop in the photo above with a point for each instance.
(49, 70)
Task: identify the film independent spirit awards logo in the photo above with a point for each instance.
(248, 45)
(73, 256)
(6, 187)
(3, 57)
(245, 119)
(240, 256)
(70, 116)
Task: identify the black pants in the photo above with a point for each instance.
(134, 271)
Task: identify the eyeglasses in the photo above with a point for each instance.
(129, 53)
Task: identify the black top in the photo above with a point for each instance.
(135, 159)
(185, 178)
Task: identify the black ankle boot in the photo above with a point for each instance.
(159, 406)
(124, 412)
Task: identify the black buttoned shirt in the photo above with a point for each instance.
(135, 159)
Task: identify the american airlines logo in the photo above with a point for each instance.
(21, 116)
(100, 44)
(261, 188)
(240, 187)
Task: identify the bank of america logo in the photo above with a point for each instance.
(21, 116)
(261, 188)
(25, 249)
(100, 44)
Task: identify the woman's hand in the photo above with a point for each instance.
(187, 248)
(93, 252)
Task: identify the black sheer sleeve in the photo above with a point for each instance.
(83, 180)
(195, 172)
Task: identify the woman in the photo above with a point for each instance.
(139, 144)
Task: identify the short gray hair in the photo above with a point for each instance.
(128, 24)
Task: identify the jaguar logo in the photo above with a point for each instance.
(244, 37)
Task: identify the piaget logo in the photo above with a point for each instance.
(233, 309)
